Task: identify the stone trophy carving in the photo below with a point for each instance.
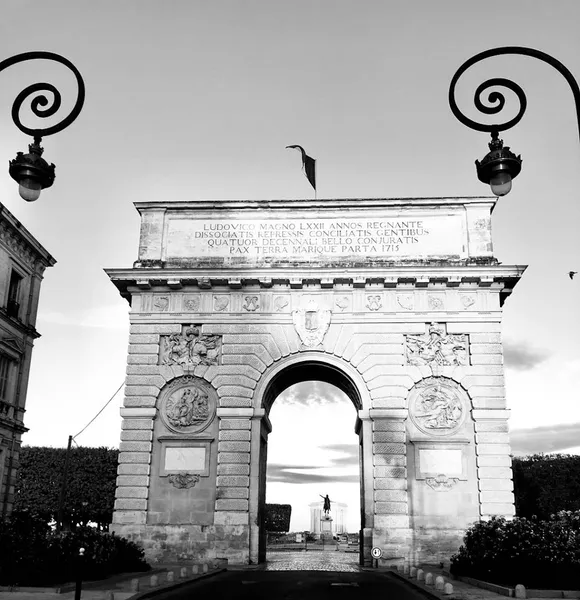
(191, 303)
(190, 348)
(183, 481)
(251, 303)
(342, 302)
(221, 303)
(280, 303)
(436, 346)
(161, 303)
(434, 303)
(311, 324)
(406, 301)
(187, 405)
(441, 483)
(436, 407)
(374, 302)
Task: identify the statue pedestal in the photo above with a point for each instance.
(326, 528)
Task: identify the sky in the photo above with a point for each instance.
(198, 100)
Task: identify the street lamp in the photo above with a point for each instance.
(30, 170)
(500, 165)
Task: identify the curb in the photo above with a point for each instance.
(413, 582)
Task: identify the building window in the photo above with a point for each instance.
(5, 364)
(13, 306)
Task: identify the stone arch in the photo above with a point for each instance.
(306, 366)
(311, 365)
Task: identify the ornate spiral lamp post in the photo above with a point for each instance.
(30, 170)
(500, 166)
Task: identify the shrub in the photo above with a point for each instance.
(536, 553)
(31, 553)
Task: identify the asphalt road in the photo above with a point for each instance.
(290, 585)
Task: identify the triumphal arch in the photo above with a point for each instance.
(398, 302)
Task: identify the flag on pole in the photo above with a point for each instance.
(308, 164)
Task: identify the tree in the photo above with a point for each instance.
(546, 484)
(277, 517)
(90, 488)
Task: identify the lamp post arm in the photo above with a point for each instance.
(40, 100)
(497, 99)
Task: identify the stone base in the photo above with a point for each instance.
(199, 544)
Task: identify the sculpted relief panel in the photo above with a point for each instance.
(190, 348)
(311, 324)
(437, 347)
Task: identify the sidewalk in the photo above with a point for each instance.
(134, 585)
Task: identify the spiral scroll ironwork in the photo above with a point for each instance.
(40, 104)
(496, 99)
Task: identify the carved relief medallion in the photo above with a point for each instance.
(436, 406)
(311, 324)
(374, 302)
(437, 347)
(190, 348)
(183, 480)
(187, 405)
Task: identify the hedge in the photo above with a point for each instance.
(533, 552)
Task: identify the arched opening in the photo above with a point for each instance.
(314, 451)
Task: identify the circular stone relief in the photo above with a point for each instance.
(187, 405)
(437, 407)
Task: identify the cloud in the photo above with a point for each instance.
(299, 475)
(519, 356)
(550, 438)
(350, 454)
(312, 393)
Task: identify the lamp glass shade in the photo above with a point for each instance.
(501, 183)
(29, 189)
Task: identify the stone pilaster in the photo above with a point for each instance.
(233, 483)
(494, 465)
(134, 466)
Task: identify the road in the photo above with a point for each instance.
(300, 585)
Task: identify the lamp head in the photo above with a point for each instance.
(499, 166)
(31, 171)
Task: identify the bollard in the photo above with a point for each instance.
(79, 577)
(448, 589)
(429, 579)
(439, 583)
(405, 569)
(413, 572)
(420, 575)
(183, 572)
(170, 576)
(204, 568)
(134, 585)
(195, 569)
(520, 591)
(154, 581)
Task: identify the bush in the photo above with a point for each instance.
(536, 553)
(31, 553)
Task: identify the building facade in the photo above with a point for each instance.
(22, 264)
(397, 302)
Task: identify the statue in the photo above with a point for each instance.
(326, 505)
